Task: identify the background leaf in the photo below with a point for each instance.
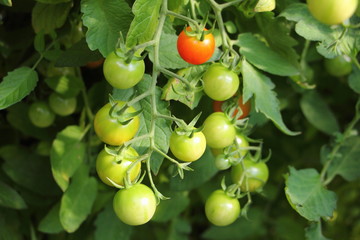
(10, 198)
(313, 232)
(51, 222)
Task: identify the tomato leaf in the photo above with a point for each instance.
(48, 17)
(354, 80)
(259, 85)
(313, 232)
(17, 85)
(6, 2)
(318, 113)
(109, 227)
(264, 57)
(67, 154)
(144, 24)
(307, 195)
(77, 201)
(51, 222)
(53, 1)
(10, 198)
(105, 19)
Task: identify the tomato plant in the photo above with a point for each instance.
(122, 74)
(220, 83)
(135, 205)
(221, 209)
(194, 49)
(250, 175)
(115, 167)
(218, 130)
(41, 115)
(61, 105)
(221, 106)
(110, 130)
(333, 11)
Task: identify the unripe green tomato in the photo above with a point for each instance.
(332, 11)
(188, 149)
(221, 209)
(41, 115)
(62, 106)
(339, 66)
(43, 148)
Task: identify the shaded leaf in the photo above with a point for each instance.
(51, 222)
(313, 232)
(10, 198)
(354, 80)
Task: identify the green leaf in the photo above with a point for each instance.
(10, 225)
(10, 198)
(6, 2)
(266, 101)
(77, 201)
(66, 85)
(204, 170)
(162, 126)
(264, 57)
(313, 232)
(318, 113)
(51, 222)
(17, 85)
(307, 195)
(145, 22)
(67, 154)
(179, 229)
(354, 80)
(48, 17)
(105, 19)
(28, 170)
(109, 227)
(53, 1)
(77, 55)
(289, 228)
(346, 163)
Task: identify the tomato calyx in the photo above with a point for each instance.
(199, 30)
(188, 129)
(119, 112)
(128, 54)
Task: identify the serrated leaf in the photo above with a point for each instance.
(204, 169)
(145, 22)
(105, 19)
(259, 85)
(313, 232)
(67, 154)
(77, 201)
(318, 113)
(17, 85)
(354, 80)
(10, 198)
(51, 222)
(346, 163)
(109, 227)
(264, 57)
(307, 195)
(48, 17)
(162, 126)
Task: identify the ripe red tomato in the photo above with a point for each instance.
(112, 132)
(220, 106)
(95, 64)
(219, 82)
(221, 209)
(115, 167)
(135, 205)
(193, 50)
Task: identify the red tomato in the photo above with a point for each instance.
(219, 106)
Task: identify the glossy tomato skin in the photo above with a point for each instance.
(135, 205)
(62, 106)
(220, 83)
(110, 131)
(220, 209)
(218, 130)
(222, 162)
(218, 106)
(339, 66)
(107, 166)
(332, 11)
(120, 74)
(188, 149)
(256, 175)
(41, 115)
(194, 51)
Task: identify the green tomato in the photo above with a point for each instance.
(114, 168)
(62, 106)
(41, 115)
(222, 162)
(220, 83)
(120, 74)
(135, 205)
(339, 66)
(332, 11)
(218, 130)
(110, 131)
(256, 175)
(221, 209)
(186, 148)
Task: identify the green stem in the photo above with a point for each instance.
(182, 17)
(174, 75)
